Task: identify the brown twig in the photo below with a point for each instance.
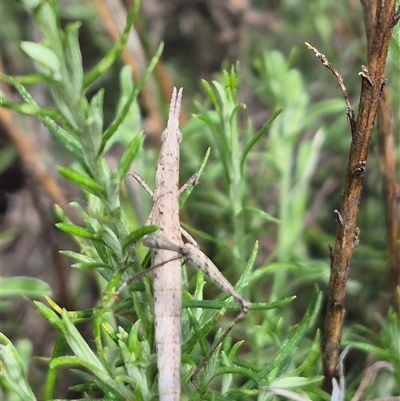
(350, 112)
(347, 233)
(387, 157)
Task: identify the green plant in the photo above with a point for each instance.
(384, 345)
(13, 369)
(251, 176)
(122, 365)
(292, 158)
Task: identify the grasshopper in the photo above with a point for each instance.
(168, 248)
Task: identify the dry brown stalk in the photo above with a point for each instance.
(347, 235)
(387, 157)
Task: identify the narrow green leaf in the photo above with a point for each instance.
(261, 132)
(23, 286)
(45, 58)
(13, 376)
(234, 350)
(314, 353)
(136, 235)
(246, 372)
(259, 213)
(200, 331)
(85, 356)
(213, 120)
(129, 154)
(110, 239)
(83, 181)
(371, 349)
(78, 256)
(190, 189)
(116, 123)
(22, 79)
(224, 105)
(51, 379)
(210, 93)
(84, 262)
(62, 136)
(96, 110)
(91, 384)
(290, 395)
(66, 140)
(317, 111)
(49, 314)
(244, 278)
(74, 360)
(107, 328)
(98, 338)
(288, 347)
(77, 231)
(32, 110)
(46, 16)
(233, 305)
(115, 51)
(235, 111)
(132, 123)
(103, 252)
(292, 382)
(73, 57)
(209, 117)
(88, 266)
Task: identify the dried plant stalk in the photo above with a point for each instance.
(347, 235)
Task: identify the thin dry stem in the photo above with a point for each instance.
(347, 235)
(369, 378)
(327, 64)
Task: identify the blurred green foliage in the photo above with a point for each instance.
(264, 201)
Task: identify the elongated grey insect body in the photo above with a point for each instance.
(167, 248)
(167, 284)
